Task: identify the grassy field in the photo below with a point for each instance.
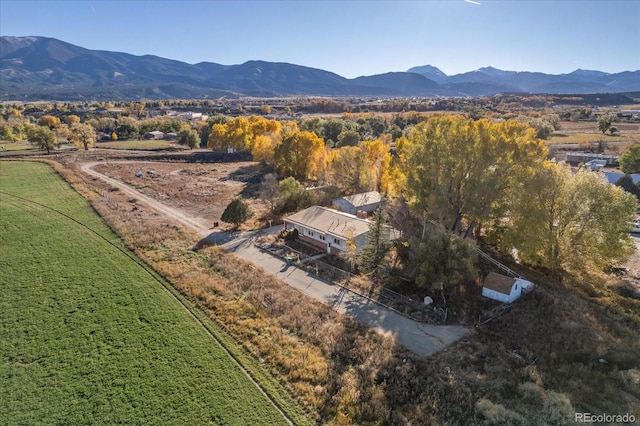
(89, 336)
(18, 146)
(587, 135)
(141, 145)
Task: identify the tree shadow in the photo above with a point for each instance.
(252, 176)
(216, 238)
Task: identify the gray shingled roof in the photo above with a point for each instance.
(329, 221)
(364, 198)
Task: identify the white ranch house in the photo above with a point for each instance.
(328, 229)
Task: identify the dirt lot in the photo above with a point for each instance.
(201, 190)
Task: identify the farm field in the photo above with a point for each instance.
(18, 146)
(587, 135)
(142, 145)
(90, 336)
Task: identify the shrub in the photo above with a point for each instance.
(497, 414)
(237, 212)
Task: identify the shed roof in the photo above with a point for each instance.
(498, 282)
(364, 198)
(330, 221)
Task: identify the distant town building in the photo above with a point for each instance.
(575, 158)
(154, 135)
(595, 165)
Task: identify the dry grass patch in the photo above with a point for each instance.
(202, 190)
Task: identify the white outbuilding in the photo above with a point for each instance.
(504, 289)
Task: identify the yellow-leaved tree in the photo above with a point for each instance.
(559, 219)
(241, 133)
(459, 172)
(83, 135)
(360, 168)
(300, 154)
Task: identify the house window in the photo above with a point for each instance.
(336, 241)
(322, 237)
(310, 233)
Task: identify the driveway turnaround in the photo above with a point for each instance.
(422, 339)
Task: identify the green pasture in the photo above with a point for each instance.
(17, 146)
(90, 336)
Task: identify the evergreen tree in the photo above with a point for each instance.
(373, 258)
(237, 212)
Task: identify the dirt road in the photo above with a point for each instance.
(422, 339)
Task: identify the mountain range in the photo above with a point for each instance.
(41, 68)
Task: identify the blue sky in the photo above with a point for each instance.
(350, 38)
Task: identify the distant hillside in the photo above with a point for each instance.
(41, 68)
(401, 84)
(489, 81)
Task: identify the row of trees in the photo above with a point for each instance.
(303, 154)
(46, 139)
(122, 128)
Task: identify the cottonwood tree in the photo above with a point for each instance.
(82, 135)
(300, 154)
(264, 148)
(360, 168)
(347, 170)
(72, 119)
(240, 133)
(49, 121)
(43, 137)
(237, 212)
(545, 125)
(604, 122)
(459, 172)
(189, 137)
(292, 195)
(559, 219)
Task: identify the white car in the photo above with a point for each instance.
(635, 227)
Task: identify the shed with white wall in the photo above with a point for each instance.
(504, 289)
